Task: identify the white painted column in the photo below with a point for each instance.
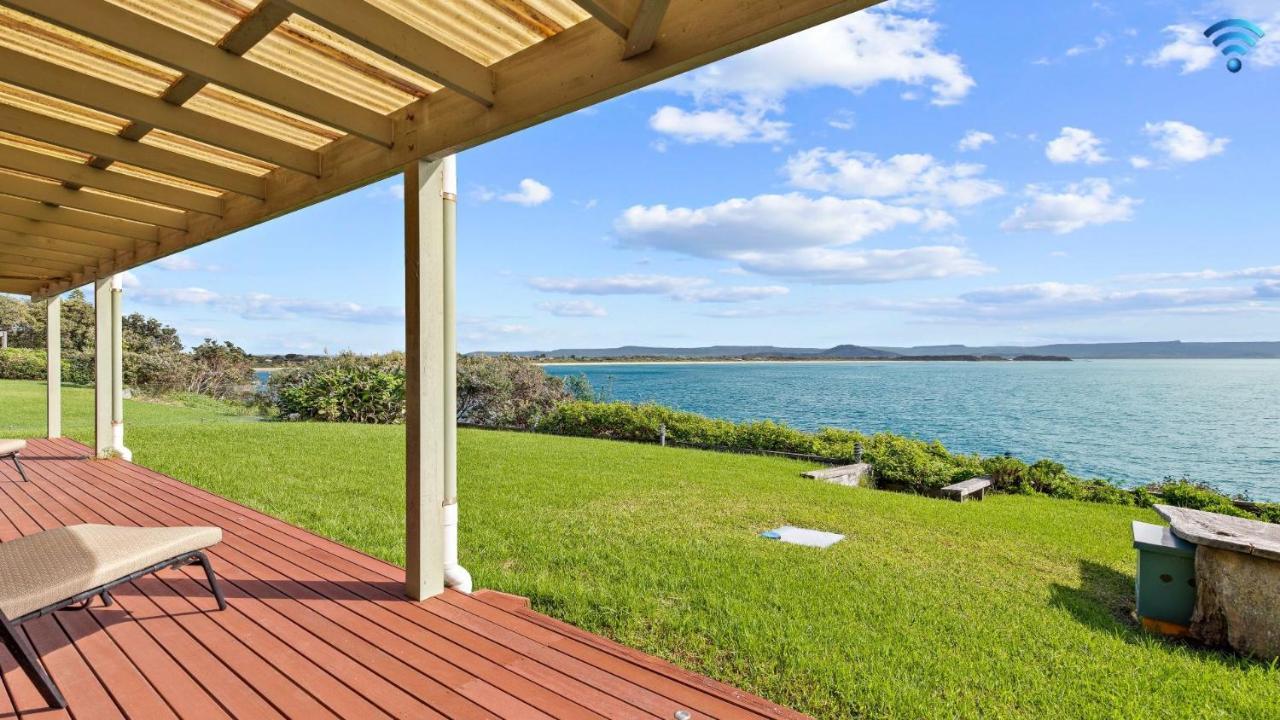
(117, 367)
(53, 354)
(102, 340)
(455, 576)
(424, 378)
(108, 369)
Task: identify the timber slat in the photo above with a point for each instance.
(313, 629)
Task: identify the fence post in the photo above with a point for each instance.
(662, 434)
(857, 452)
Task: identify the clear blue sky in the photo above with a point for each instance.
(924, 172)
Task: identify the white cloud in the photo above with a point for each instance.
(854, 53)
(1075, 145)
(1180, 142)
(1139, 162)
(1090, 202)
(1271, 272)
(722, 126)
(799, 237)
(1099, 42)
(129, 280)
(262, 306)
(394, 191)
(1054, 299)
(179, 263)
(574, 308)
(974, 140)
(530, 194)
(913, 178)
(842, 120)
(854, 267)
(676, 287)
(1187, 48)
(764, 223)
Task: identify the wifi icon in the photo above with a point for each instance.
(1242, 38)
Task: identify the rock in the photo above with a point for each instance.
(1237, 601)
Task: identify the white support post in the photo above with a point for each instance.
(108, 369)
(53, 355)
(117, 367)
(102, 340)
(424, 378)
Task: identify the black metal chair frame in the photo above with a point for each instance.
(16, 640)
(14, 457)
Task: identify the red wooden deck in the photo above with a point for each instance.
(314, 629)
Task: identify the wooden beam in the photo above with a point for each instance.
(31, 243)
(644, 29)
(372, 28)
(80, 175)
(55, 194)
(12, 260)
(11, 243)
(576, 68)
(159, 43)
(613, 14)
(65, 233)
(45, 77)
(77, 219)
(78, 137)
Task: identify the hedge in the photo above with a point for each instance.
(900, 462)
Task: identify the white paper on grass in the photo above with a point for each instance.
(805, 536)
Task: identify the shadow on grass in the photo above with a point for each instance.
(1105, 601)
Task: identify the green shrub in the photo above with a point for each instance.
(22, 364)
(1184, 493)
(345, 388)
(506, 391)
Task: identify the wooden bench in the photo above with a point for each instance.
(851, 475)
(961, 491)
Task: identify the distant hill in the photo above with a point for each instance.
(1170, 350)
(1173, 349)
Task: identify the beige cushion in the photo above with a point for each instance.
(9, 447)
(39, 570)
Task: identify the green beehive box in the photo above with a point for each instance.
(1166, 584)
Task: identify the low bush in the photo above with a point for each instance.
(507, 391)
(344, 388)
(22, 364)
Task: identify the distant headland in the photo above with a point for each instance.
(1164, 350)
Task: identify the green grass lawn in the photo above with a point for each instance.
(1014, 607)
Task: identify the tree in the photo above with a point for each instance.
(219, 369)
(146, 334)
(505, 391)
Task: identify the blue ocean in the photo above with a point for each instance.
(1133, 421)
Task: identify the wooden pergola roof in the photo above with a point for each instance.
(133, 129)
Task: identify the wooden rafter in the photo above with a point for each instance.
(21, 244)
(159, 43)
(66, 233)
(79, 175)
(54, 194)
(54, 80)
(78, 137)
(613, 14)
(374, 29)
(92, 252)
(76, 219)
(644, 29)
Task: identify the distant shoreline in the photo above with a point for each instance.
(800, 361)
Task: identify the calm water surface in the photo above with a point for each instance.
(1134, 421)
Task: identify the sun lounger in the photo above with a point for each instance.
(11, 449)
(55, 569)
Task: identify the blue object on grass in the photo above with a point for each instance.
(771, 535)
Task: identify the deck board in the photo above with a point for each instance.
(313, 630)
